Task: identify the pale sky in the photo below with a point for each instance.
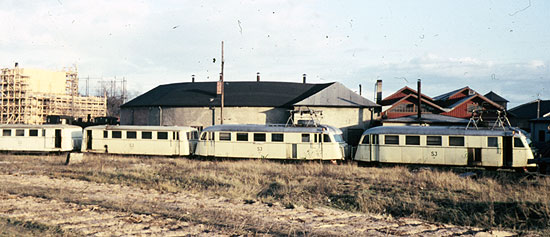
(503, 46)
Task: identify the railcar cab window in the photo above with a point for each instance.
(326, 138)
(305, 137)
(33, 133)
(6, 132)
(259, 137)
(146, 135)
(338, 138)
(456, 141)
(242, 137)
(518, 142)
(366, 139)
(131, 135)
(277, 137)
(117, 134)
(412, 140)
(225, 136)
(492, 142)
(433, 140)
(391, 139)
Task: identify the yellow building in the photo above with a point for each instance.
(29, 95)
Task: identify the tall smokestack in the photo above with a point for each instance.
(378, 91)
(258, 76)
(16, 64)
(419, 100)
(304, 78)
(193, 78)
(360, 89)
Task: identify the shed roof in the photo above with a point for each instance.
(529, 110)
(428, 118)
(495, 97)
(253, 94)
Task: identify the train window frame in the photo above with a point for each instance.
(259, 137)
(6, 132)
(105, 134)
(116, 134)
(224, 136)
(456, 141)
(306, 137)
(277, 137)
(147, 135)
(203, 136)
(241, 137)
(375, 139)
(434, 140)
(326, 138)
(517, 141)
(492, 141)
(19, 132)
(131, 134)
(412, 140)
(33, 132)
(366, 140)
(163, 137)
(391, 139)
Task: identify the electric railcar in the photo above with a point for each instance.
(40, 138)
(272, 142)
(453, 146)
(140, 140)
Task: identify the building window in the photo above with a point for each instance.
(277, 137)
(391, 139)
(117, 134)
(225, 136)
(412, 140)
(162, 135)
(242, 137)
(19, 132)
(365, 139)
(518, 142)
(33, 133)
(456, 141)
(146, 135)
(105, 134)
(131, 135)
(433, 140)
(492, 142)
(6, 132)
(305, 137)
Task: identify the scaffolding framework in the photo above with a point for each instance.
(21, 105)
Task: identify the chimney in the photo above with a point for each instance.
(304, 78)
(378, 91)
(258, 77)
(419, 100)
(16, 64)
(360, 90)
(193, 78)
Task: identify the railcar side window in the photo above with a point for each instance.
(305, 137)
(6, 132)
(366, 139)
(33, 133)
(375, 139)
(456, 141)
(242, 137)
(146, 135)
(162, 135)
(433, 140)
(105, 134)
(259, 137)
(391, 139)
(131, 135)
(517, 142)
(277, 137)
(225, 136)
(492, 142)
(117, 134)
(19, 132)
(326, 138)
(412, 140)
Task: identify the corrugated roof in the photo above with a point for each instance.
(448, 94)
(495, 97)
(254, 94)
(529, 110)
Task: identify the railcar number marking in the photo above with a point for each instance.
(259, 148)
(434, 153)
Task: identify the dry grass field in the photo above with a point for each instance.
(501, 200)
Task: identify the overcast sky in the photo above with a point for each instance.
(503, 46)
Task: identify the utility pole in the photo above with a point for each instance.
(222, 87)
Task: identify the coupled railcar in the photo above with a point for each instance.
(322, 142)
(452, 146)
(40, 138)
(140, 140)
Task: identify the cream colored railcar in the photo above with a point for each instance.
(140, 140)
(454, 146)
(40, 138)
(272, 142)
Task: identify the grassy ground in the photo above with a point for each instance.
(501, 199)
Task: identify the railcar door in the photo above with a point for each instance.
(88, 139)
(374, 148)
(507, 155)
(58, 138)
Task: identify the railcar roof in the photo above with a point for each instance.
(141, 128)
(271, 128)
(38, 126)
(441, 130)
